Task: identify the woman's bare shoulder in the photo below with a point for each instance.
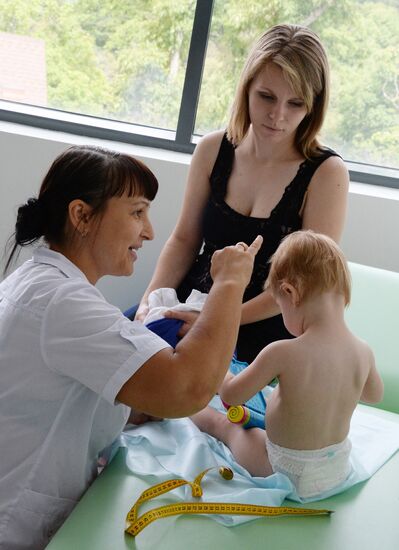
(333, 166)
(206, 151)
(211, 142)
(213, 139)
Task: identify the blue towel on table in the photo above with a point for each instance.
(176, 448)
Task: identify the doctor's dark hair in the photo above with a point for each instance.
(91, 174)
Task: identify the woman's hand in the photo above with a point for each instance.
(236, 262)
(188, 318)
(142, 311)
(242, 257)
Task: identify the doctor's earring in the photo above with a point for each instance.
(84, 233)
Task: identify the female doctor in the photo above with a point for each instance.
(72, 366)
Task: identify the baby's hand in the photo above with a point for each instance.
(222, 388)
(229, 376)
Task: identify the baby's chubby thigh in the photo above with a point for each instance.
(247, 445)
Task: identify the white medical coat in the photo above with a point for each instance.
(65, 353)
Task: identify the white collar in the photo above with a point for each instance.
(43, 255)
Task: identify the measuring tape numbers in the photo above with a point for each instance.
(135, 524)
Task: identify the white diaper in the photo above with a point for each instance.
(312, 472)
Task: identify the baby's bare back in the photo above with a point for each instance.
(320, 384)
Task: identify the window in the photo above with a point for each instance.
(117, 60)
(131, 70)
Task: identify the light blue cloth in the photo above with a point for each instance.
(176, 448)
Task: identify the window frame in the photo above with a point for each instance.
(183, 139)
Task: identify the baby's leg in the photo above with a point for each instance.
(248, 446)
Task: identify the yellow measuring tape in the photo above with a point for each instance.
(135, 524)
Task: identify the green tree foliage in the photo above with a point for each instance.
(126, 59)
(146, 43)
(364, 117)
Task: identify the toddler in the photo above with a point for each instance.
(322, 374)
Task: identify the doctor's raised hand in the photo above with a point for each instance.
(228, 264)
(235, 262)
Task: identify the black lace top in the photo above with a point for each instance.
(224, 226)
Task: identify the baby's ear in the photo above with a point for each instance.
(290, 292)
(286, 288)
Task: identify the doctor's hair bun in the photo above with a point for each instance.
(30, 222)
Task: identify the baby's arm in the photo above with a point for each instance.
(236, 390)
(373, 389)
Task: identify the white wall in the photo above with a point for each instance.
(25, 154)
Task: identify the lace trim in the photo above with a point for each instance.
(222, 170)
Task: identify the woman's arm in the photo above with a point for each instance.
(261, 307)
(324, 211)
(185, 241)
(180, 382)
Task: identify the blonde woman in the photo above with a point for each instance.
(267, 174)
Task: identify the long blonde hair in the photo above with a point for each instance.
(303, 60)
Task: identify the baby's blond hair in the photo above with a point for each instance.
(313, 263)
